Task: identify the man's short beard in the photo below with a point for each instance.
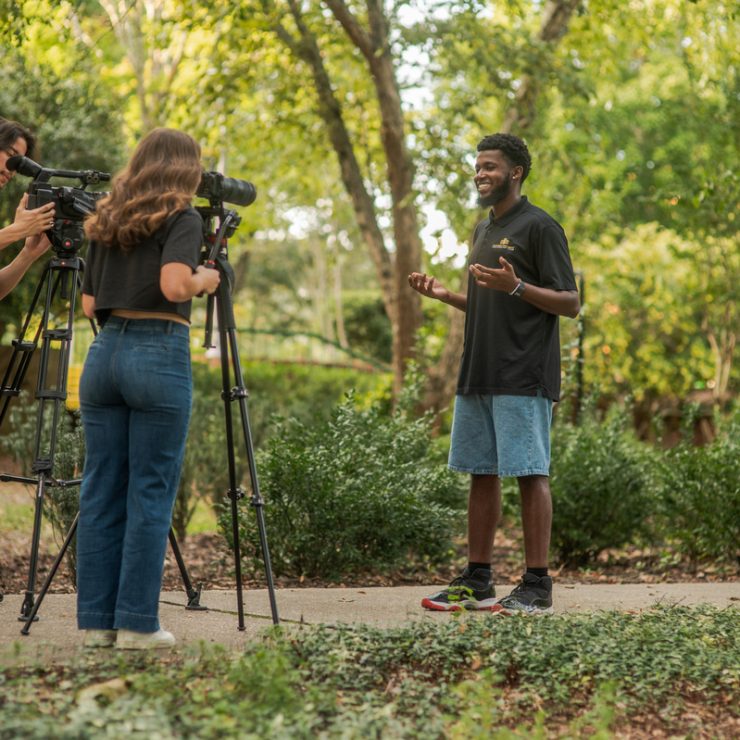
(496, 195)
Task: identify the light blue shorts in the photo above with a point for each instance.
(508, 436)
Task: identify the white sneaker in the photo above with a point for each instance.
(99, 638)
(128, 640)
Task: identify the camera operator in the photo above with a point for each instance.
(16, 139)
(136, 386)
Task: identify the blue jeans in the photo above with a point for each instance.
(508, 436)
(135, 396)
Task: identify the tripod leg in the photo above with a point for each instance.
(227, 332)
(193, 593)
(257, 502)
(235, 493)
(28, 606)
(32, 614)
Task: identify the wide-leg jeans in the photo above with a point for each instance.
(135, 397)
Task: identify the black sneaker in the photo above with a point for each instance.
(468, 591)
(532, 596)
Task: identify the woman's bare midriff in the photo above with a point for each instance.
(125, 313)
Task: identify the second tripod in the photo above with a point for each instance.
(220, 225)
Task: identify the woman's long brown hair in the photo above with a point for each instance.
(159, 180)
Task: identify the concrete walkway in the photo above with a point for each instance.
(55, 637)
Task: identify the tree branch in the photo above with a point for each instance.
(556, 16)
(353, 29)
(330, 111)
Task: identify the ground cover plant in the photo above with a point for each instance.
(666, 671)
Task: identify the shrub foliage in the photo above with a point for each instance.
(699, 492)
(361, 491)
(599, 487)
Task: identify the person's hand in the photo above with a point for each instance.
(496, 279)
(35, 221)
(36, 245)
(428, 286)
(209, 278)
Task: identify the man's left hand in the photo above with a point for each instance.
(503, 279)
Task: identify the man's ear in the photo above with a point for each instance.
(517, 172)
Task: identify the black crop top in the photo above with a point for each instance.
(130, 279)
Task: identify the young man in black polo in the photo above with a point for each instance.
(520, 281)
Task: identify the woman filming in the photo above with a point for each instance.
(135, 390)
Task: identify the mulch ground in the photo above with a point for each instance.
(210, 562)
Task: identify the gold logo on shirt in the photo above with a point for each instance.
(505, 243)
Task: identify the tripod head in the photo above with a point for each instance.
(219, 225)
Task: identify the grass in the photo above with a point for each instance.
(16, 516)
(17, 506)
(204, 519)
(667, 670)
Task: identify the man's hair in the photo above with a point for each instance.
(512, 147)
(11, 131)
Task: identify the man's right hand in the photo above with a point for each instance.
(428, 286)
(35, 221)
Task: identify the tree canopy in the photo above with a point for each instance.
(357, 119)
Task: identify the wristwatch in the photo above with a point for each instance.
(519, 290)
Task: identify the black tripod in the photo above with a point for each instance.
(220, 225)
(62, 280)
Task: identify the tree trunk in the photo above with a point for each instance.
(338, 305)
(402, 305)
(330, 111)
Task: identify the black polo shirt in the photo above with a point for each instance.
(129, 279)
(511, 347)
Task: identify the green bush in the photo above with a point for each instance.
(307, 393)
(303, 392)
(699, 492)
(362, 491)
(367, 326)
(599, 482)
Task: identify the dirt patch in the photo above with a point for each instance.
(210, 562)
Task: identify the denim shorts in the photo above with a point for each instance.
(508, 436)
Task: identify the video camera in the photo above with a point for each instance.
(219, 223)
(71, 204)
(219, 189)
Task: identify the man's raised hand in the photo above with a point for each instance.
(428, 286)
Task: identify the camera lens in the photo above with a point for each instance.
(239, 192)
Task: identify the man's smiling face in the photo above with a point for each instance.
(493, 177)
